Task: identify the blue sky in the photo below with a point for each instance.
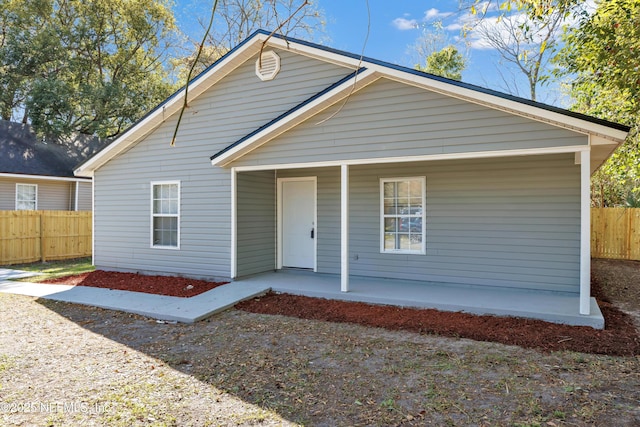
(395, 26)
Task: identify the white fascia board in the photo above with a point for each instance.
(42, 177)
(316, 53)
(323, 102)
(492, 101)
(422, 158)
(529, 111)
(172, 106)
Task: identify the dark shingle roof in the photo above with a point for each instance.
(21, 152)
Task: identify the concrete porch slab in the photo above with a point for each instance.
(556, 307)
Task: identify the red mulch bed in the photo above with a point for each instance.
(159, 285)
(620, 337)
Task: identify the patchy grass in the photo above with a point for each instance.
(54, 269)
(240, 368)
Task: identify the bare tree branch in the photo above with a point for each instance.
(186, 86)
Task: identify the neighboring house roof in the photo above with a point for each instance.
(604, 136)
(23, 153)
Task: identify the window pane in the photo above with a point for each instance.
(165, 206)
(403, 242)
(416, 225)
(404, 224)
(403, 206)
(416, 242)
(403, 188)
(173, 191)
(389, 189)
(416, 188)
(173, 207)
(390, 224)
(389, 241)
(390, 209)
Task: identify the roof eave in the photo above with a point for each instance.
(454, 88)
(42, 177)
(299, 114)
(174, 103)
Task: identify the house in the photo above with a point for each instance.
(38, 175)
(313, 158)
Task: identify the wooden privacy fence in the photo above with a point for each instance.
(28, 236)
(615, 233)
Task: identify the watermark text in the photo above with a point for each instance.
(53, 407)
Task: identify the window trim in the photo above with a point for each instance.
(423, 182)
(18, 184)
(153, 215)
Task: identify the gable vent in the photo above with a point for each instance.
(270, 66)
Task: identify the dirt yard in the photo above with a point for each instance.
(62, 364)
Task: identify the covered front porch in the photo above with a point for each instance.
(556, 307)
(505, 235)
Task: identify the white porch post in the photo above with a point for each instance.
(344, 228)
(585, 233)
(234, 223)
(77, 191)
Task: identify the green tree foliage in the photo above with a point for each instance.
(536, 9)
(602, 55)
(87, 66)
(447, 62)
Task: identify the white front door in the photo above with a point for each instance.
(297, 222)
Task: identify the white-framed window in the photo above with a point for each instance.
(402, 215)
(26, 197)
(165, 214)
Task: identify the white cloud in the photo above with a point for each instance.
(433, 14)
(403, 24)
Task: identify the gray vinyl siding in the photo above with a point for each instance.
(234, 107)
(512, 222)
(390, 119)
(8, 193)
(52, 195)
(256, 213)
(84, 196)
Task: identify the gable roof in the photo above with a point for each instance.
(368, 70)
(21, 152)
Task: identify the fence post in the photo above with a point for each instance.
(43, 243)
(627, 233)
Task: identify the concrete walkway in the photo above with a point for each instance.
(186, 310)
(554, 307)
